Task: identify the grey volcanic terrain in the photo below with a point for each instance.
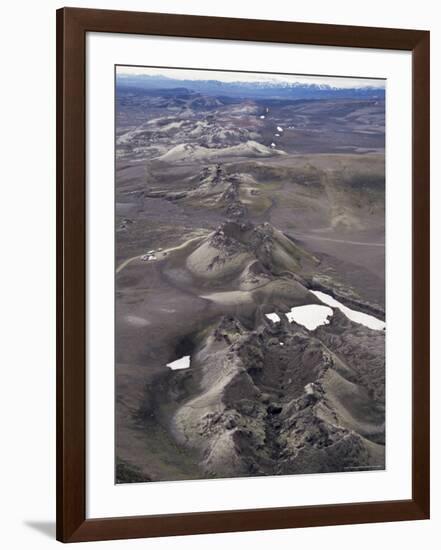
(237, 214)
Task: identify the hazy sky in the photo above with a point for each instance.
(226, 76)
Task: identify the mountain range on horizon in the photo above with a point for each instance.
(257, 89)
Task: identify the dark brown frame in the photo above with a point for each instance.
(72, 25)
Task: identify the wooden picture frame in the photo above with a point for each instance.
(72, 26)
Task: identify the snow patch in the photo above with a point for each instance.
(181, 363)
(356, 316)
(313, 315)
(310, 316)
(273, 317)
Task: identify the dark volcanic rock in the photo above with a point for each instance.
(290, 408)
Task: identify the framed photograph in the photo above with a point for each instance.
(242, 276)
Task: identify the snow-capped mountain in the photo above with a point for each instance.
(258, 89)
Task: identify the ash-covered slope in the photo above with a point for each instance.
(242, 266)
(215, 189)
(234, 244)
(188, 152)
(276, 400)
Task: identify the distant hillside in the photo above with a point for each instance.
(276, 90)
